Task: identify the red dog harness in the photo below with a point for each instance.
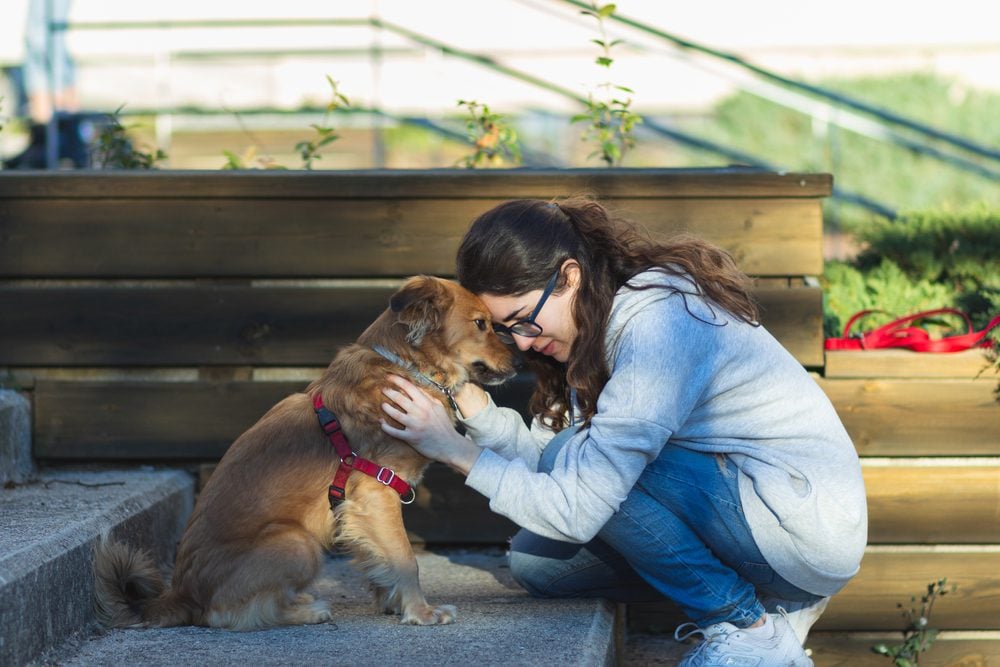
(349, 461)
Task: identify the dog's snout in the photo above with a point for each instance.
(486, 374)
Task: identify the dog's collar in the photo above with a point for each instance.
(420, 377)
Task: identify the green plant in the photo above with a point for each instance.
(248, 159)
(923, 260)
(115, 150)
(886, 172)
(884, 288)
(611, 119)
(324, 134)
(495, 141)
(917, 635)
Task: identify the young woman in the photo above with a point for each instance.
(677, 449)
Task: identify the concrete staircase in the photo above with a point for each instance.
(51, 524)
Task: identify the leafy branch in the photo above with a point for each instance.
(918, 635)
(115, 150)
(324, 133)
(611, 119)
(494, 139)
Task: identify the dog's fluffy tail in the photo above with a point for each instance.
(128, 589)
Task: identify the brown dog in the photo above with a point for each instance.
(253, 547)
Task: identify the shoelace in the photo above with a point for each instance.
(707, 639)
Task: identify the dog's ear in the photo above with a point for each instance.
(420, 304)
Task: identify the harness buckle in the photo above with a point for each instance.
(388, 480)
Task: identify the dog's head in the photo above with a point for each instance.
(452, 328)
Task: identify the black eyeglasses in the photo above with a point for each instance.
(527, 327)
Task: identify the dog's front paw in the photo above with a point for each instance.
(428, 615)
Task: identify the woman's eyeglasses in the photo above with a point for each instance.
(527, 327)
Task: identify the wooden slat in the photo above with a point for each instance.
(184, 325)
(434, 183)
(926, 504)
(966, 365)
(159, 421)
(146, 324)
(95, 421)
(886, 578)
(922, 417)
(840, 650)
(767, 237)
(794, 315)
(836, 649)
(304, 237)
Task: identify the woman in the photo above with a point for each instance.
(677, 449)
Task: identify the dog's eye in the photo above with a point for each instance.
(481, 325)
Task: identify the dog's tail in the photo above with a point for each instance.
(129, 591)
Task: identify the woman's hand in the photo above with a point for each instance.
(426, 426)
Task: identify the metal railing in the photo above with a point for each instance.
(877, 125)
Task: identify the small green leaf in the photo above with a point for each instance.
(604, 61)
(606, 10)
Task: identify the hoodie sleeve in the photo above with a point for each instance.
(658, 373)
(503, 431)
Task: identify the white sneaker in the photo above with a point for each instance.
(724, 645)
(801, 615)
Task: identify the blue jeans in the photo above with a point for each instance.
(681, 533)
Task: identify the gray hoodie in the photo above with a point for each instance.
(685, 373)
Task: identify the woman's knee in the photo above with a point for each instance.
(529, 573)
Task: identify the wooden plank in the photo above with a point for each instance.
(302, 237)
(151, 324)
(836, 649)
(967, 365)
(767, 237)
(184, 325)
(434, 183)
(794, 315)
(160, 421)
(949, 650)
(922, 417)
(886, 578)
(926, 504)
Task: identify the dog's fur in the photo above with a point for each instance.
(253, 547)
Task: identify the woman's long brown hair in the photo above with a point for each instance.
(515, 247)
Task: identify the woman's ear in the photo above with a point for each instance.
(571, 272)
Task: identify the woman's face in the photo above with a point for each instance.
(555, 317)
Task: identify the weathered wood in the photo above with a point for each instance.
(886, 578)
(966, 365)
(921, 417)
(100, 421)
(926, 504)
(836, 649)
(123, 237)
(433, 183)
(184, 325)
(161, 421)
(149, 324)
(949, 650)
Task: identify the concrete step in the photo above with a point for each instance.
(498, 623)
(49, 526)
(46, 583)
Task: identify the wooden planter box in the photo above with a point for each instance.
(155, 316)
(135, 301)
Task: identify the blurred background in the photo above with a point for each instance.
(899, 100)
